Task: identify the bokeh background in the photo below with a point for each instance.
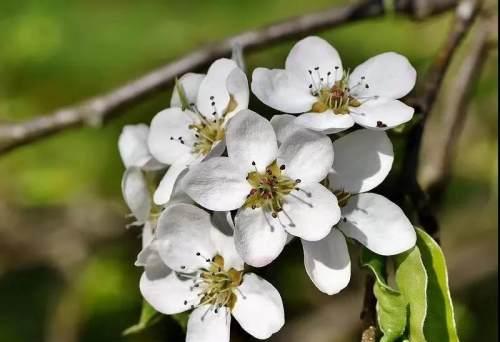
(66, 259)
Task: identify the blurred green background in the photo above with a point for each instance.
(66, 259)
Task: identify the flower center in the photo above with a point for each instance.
(207, 133)
(336, 96)
(269, 188)
(217, 286)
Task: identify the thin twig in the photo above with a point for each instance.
(466, 12)
(101, 108)
(437, 168)
(369, 314)
(408, 184)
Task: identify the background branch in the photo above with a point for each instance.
(408, 185)
(101, 108)
(437, 167)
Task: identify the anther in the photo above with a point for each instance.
(211, 97)
(316, 68)
(337, 67)
(298, 180)
(367, 86)
(185, 302)
(380, 124)
(282, 167)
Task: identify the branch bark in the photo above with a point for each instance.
(466, 12)
(103, 107)
(437, 169)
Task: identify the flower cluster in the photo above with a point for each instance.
(238, 187)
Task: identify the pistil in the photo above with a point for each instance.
(269, 188)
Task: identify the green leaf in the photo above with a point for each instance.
(149, 316)
(440, 321)
(391, 313)
(376, 263)
(411, 279)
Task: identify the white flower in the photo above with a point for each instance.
(136, 194)
(362, 161)
(133, 148)
(187, 133)
(276, 190)
(193, 265)
(314, 83)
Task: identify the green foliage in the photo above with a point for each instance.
(411, 279)
(391, 313)
(420, 309)
(440, 320)
(376, 263)
(149, 317)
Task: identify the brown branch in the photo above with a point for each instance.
(101, 108)
(369, 314)
(437, 168)
(420, 9)
(466, 12)
(408, 184)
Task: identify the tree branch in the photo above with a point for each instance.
(437, 168)
(466, 12)
(101, 108)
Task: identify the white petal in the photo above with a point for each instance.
(259, 308)
(382, 114)
(217, 184)
(310, 213)
(285, 125)
(213, 95)
(388, 75)
(314, 54)
(183, 235)
(147, 233)
(166, 128)
(259, 237)
(237, 86)
(378, 224)
(190, 83)
(166, 293)
(307, 156)
(327, 262)
(133, 147)
(164, 190)
(205, 325)
(136, 194)
(148, 253)
(363, 159)
(223, 238)
(251, 138)
(327, 122)
(281, 90)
